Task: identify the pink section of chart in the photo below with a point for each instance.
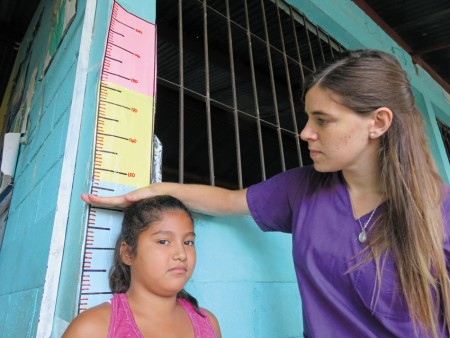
(130, 57)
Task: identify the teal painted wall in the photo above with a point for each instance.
(244, 276)
(25, 250)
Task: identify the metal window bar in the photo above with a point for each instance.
(445, 133)
(208, 97)
(255, 93)
(181, 93)
(305, 25)
(330, 46)
(320, 44)
(239, 89)
(288, 79)
(233, 87)
(272, 84)
(297, 48)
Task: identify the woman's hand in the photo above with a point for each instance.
(121, 201)
(200, 198)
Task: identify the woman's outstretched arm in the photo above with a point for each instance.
(200, 198)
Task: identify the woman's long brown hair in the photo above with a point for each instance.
(411, 228)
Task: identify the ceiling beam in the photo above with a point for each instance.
(430, 49)
(365, 7)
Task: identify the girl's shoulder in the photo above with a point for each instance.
(93, 322)
(214, 322)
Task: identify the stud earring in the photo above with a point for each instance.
(372, 135)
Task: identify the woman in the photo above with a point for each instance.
(370, 220)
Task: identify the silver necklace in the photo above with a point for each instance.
(363, 234)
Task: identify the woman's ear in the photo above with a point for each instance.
(382, 120)
(126, 254)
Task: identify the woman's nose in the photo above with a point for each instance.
(308, 133)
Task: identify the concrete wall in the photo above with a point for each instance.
(25, 251)
(244, 276)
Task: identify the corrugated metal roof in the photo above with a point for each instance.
(422, 28)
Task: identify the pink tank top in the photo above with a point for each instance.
(122, 322)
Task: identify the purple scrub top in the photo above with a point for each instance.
(316, 209)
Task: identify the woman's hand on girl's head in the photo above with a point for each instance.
(114, 201)
(121, 201)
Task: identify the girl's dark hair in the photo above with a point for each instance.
(411, 227)
(137, 218)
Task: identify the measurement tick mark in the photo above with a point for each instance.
(109, 88)
(111, 171)
(110, 58)
(121, 137)
(94, 270)
(99, 228)
(106, 151)
(115, 104)
(123, 77)
(117, 33)
(106, 189)
(97, 248)
(123, 24)
(126, 50)
(107, 118)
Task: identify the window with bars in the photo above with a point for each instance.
(230, 76)
(445, 133)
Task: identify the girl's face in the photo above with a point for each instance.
(165, 257)
(338, 137)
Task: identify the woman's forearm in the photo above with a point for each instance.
(200, 198)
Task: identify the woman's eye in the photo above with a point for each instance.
(321, 122)
(190, 243)
(163, 242)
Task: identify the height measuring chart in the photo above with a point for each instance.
(122, 154)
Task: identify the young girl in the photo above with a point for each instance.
(153, 260)
(370, 220)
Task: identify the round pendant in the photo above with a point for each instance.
(362, 236)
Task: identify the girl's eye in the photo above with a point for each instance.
(163, 242)
(190, 243)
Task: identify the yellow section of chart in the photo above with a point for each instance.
(123, 149)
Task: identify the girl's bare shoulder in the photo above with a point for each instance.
(214, 322)
(93, 322)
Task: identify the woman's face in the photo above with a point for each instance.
(166, 256)
(338, 137)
